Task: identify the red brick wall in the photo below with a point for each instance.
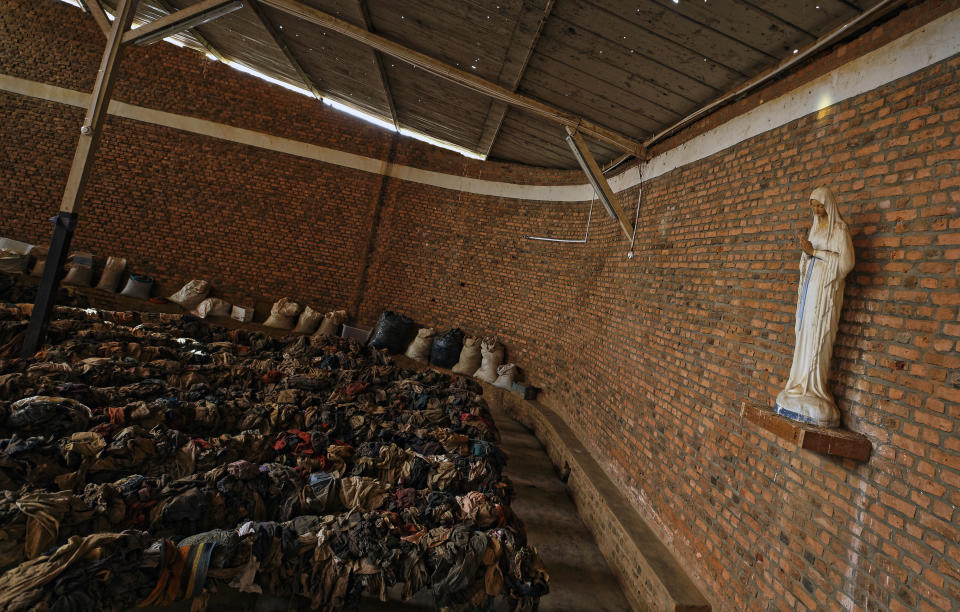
(650, 359)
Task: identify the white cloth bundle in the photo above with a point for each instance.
(505, 375)
(191, 294)
(491, 356)
(212, 307)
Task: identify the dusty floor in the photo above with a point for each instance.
(579, 577)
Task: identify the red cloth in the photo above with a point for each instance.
(354, 388)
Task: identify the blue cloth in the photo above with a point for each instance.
(803, 294)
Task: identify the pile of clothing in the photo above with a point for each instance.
(146, 458)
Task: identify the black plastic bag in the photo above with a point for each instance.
(393, 332)
(446, 348)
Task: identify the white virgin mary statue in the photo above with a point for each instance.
(826, 258)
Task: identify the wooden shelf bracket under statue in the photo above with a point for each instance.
(824, 440)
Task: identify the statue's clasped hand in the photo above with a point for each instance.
(805, 245)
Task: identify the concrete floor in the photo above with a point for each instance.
(580, 579)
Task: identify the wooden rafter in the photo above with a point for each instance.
(378, 59)
(83, 161)
(172, 20)
(271, 29)
(471, 81)
(96, 11)
(589, 166)
(195, 33)
(511, 80)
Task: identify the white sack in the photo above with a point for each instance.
(212, 307)
(283, 314)
(491, 356)
(331, 322)
(308, 322)
(505, 375)
(191, 294)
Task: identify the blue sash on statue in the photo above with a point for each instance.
(803, 294)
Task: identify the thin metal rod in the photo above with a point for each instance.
(636, 220)
(875, 11)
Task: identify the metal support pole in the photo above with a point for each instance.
(83, 160)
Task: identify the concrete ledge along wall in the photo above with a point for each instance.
(205, 172)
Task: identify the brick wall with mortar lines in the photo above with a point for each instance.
(257, 224)
(181, 206)
(651, 359)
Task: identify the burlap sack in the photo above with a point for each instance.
(112, 274)
(81, 270)
(283, 314)
(505, 376)
(39, 255)
(308, 322)
(491, 356)
(191, 294)
(331, 323)
(419, 349)
(212, 307)
(469, 357)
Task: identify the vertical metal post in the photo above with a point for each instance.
(83, 160)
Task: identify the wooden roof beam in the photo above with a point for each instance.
(599, 182)
(271, 29)
(498, 110)
(465, 79)
(93, 8)
(195, 33)
(378, 59)
(184, 19)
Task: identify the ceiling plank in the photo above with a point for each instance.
(511, 73)
(378, 59)
(195, 10)
(271, 29)
(591, 92)
(592, 54)
(623, 39)
(819, 17)
(471, 81)
(96, 11)
(746, 24)
(657, 18)
(342, 69)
